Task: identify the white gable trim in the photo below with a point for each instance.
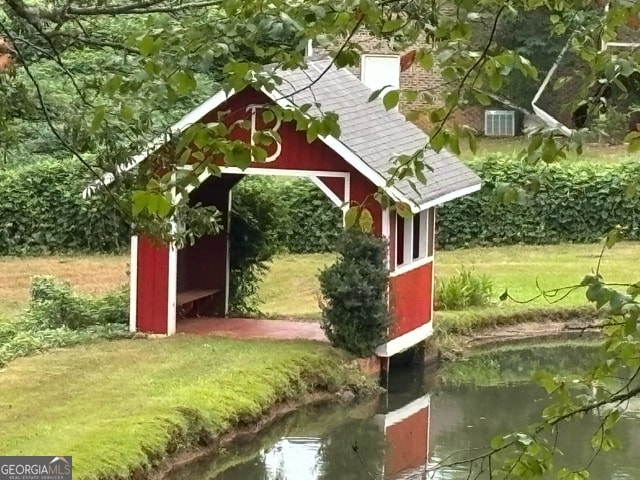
(449, 196)
(350, 157)
(218, 99)
(180, 126)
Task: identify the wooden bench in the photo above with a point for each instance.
(187, 301)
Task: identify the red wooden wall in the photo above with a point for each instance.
(152, 287)
(410, 298)
(408, 442)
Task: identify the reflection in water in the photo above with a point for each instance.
(293, 457)
(405, 434)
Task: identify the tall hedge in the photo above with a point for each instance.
(42, 211)
(314, 224)
(576, 202)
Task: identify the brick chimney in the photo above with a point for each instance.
(6, 57)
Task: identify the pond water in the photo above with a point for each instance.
(426, 419)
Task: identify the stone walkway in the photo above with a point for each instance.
(252, 328)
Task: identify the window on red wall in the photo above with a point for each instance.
(415, 254)
(399, 240)
(413, 237)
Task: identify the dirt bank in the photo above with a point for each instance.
(451, 347)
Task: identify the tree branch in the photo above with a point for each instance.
(49, 121)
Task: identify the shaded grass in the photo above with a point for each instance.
(92, 274)
(118, 407)
(514, 145)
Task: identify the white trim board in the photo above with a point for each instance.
(327, 191)
(407, 267)
(283, 172)
(172, 289)
(404, 342)
(227, 274)
(394, 417)
(450, 196)
(133, 284)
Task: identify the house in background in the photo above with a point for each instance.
(381, 65)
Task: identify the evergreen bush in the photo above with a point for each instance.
(355, 312)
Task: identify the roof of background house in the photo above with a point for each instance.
(369, 134)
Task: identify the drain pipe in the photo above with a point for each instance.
(544, 116)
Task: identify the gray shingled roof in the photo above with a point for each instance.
(374, 134)
(369, 131)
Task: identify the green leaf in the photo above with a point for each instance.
(350, 217)
(392, 25)
(473, 143)
(376, 93)
(391, 99)
(146, 45)
(437, 142)
(403, 209)
(498, 442)
(98, 116)
(268, 116)
(312, 131)
(365, 220)
(634, 289)
(591, 280)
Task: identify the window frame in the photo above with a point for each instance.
(405, 241)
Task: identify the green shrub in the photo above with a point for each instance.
(464, 289)
(612, 125)
(57, 317)
(576, 202)
(53, 304)
(42, 211)
(354, 305)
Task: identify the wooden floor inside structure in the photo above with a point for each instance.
(252, 328)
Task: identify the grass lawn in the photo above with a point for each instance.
(514, 145)
(117, 406)
(291, 287)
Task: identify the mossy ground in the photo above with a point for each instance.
(120, 407)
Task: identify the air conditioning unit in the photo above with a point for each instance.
(499, 123)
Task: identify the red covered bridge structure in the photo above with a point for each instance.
(166, 281)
